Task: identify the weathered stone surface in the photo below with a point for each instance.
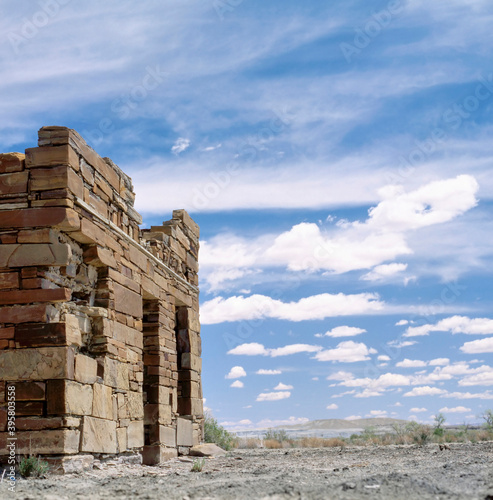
(29, 391)
(156, 454)
(41, 423)
(9, 280)
(46, 235)
(184, 432)
(30, 296)
(11, 162)
(69, 397)
(42, 335)
(37, 364)
(98, 435)
(86, 369)
(121, 437)
(102, 405)
(13, 183)
(51, 156)
(61, 441)
(28, 314)
(191, 362)
(127, 301)
(135, 434)
(99, 257)
(70, 465)
(40, 255)
(135, 403)
(56, 178)
(207, 450)
(64, 219)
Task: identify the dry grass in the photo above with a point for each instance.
(272, 444)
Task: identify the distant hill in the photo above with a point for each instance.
(336, 423)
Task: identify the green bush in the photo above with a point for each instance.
(198, 465)
(33, 467)
(280, 435)
(215, 433)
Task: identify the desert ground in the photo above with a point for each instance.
(408, 472)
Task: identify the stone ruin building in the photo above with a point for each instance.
(99, 320)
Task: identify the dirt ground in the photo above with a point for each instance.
(390, 472)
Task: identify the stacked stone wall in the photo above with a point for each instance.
(99, 323)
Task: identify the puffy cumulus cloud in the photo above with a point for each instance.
(457, 409)
(454, 324)
(384, 271)
(418, 410)
(346, 246)
(325, 305)
(251, 349)
(333, 406)
(238, 384)
(379, 384)
(236, 372)
(255, 349)
(282, 387)
(377, 413)
(368, 393)
(268, 372)
(402, 322)
(439, 362)
(424, 391)
(482, 378)
(398, 344)
(345, 352)
(342, 331)
(468, 395)
(241, 424)
(273, 396)
(411, 363)
(341, 375)
(478, 346)
(180, 145)
(383, 357)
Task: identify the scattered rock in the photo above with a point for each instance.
(207, 450)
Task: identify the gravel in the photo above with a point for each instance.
(464, 471)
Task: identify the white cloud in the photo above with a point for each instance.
(439, 362)
(458, 409)
(267, 422)
(377, 413)
(402, 322)
(333, 406)
(236, 372)
(478, 346)
(273, 396)
(252, 349)
(268, 372)
(424, 391)
(384, 271)
(399, 344)
(411, 363)
(341, 375)
(345, 352)
(368, 393)
(454, 324)
(255, 349)
(344, 331)
(484, 378)
(383, 357)
(180, 145)
(468, 395)
(353, 417)
(282, 387)
(418, 410)
(237, 308)
(238, 384)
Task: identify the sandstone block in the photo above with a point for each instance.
(37, 364)
(138, 258)
(64, 219)
(86, 369)
(102, 405)
(7, 333)
(207, 450)
(121, 437)
(157, 413)
(30, 296)
(187, 221)
(191, 362)
(13, 183)
(135, 434)
(128, 302)
(135, 404)
(156, 454)
(40, 255)
(98, 435)
(37, 236)
(61, 441)
(11, 162)
(69, 397)
(99, 257)
(29, 391)
(9, 280)
(51, 156)
(184, 432)
(37, 424)
(44, 335)
(28, 314)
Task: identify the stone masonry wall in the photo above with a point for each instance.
(99, 321)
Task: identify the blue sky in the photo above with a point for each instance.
(337, 156)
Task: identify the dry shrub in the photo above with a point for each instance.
(249, 443)
(272, 444)
(310, 442)
(483, 436)
(334, 442)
